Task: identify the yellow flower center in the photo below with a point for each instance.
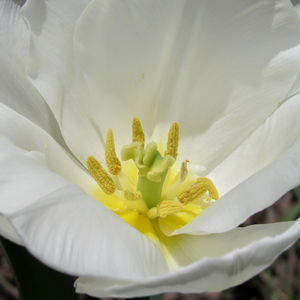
(149, 189)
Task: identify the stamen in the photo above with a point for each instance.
(112, 161)
(134, 201)
(164, 209)
(213, 192)
(100, 175)
(137, 132)
(168, 207)
(173, 137)
(197, 190)
(132, 195)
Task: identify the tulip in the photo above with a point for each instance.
(136, 136)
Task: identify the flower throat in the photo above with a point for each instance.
(160, 190)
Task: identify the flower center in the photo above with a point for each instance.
(149, 189)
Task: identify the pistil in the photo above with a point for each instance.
(153, 169)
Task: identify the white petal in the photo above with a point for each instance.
(30, 137)
(50, 66)
(15, 89)
(295, 88)
(24, 177)
(297, 6)
(75, 234)
(52, 71)
(82, 134)
(100, 99)
(224, 260)
(271, 139)
(219, 69)
(256, 77)
(122, 48)
(66, 228)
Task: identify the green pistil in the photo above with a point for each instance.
(153, 169)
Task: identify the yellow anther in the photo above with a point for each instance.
(173, 138)
(168, 207)
(164, 209)
(212, 190)
(132, 195)
(137, 132)
(100, 175)
(197, 190)
(111, 158)
(192, 193)
(134, 201)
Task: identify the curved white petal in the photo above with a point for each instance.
(222, 261)
(74, 233)
(52, 71)
(64, 227)
(24, 177)
(186, 249)
(295, 88)
(50, 66)
(30, 137)
(82, 134)
(297, 6)
(122, 47)
(15, 89)
(270, 140)
(256, 55)
(218, 69)
(257, 174)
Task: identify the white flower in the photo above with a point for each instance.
(225, 71)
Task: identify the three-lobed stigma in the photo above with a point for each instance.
(160, 189)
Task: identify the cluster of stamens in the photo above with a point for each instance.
(153, 168)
